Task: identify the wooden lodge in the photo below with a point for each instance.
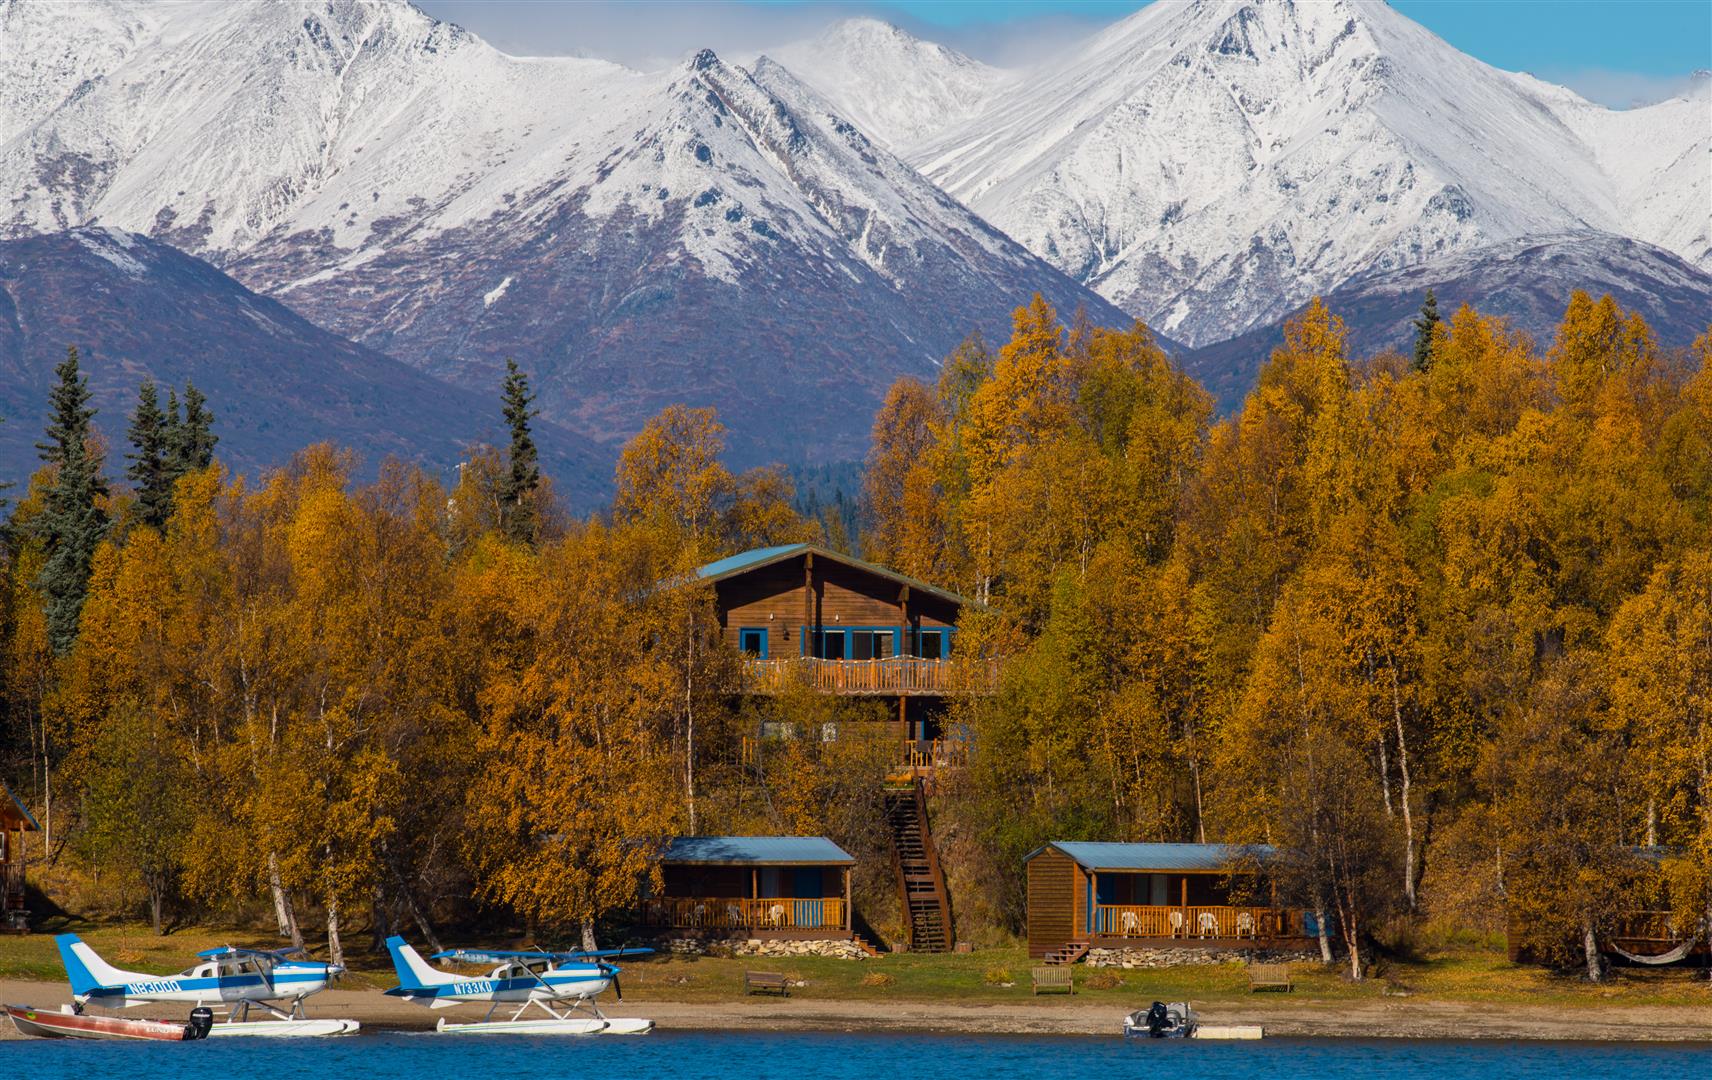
(803, 614)
(15, 821)
(1103, 895)
(748, 887)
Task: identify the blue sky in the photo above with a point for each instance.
(1616, 51)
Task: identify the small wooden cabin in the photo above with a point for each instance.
(1105, 895)
(15, 821)
(803, 613)
(766, 887)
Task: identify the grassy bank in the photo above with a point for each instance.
(1466, 973)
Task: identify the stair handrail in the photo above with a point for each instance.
(932, 851)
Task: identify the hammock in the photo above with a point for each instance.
(1682, 949)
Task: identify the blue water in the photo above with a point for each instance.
(751, 1056)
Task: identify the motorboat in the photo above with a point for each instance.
(67, 1023)
(1162, 1021)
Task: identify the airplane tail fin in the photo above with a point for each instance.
(413, 971)
(87, 971)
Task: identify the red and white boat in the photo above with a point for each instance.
(65, 1024)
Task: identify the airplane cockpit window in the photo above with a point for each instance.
(200, 971)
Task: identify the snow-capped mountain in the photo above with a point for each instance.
(1208, 165)
(899, 89)
(706, 233)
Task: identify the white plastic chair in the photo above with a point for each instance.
(1131, 924)
(698, 914)
(777, 915)
(1208, 924)
(1176, 924)
(1244, 923)
(735, 914)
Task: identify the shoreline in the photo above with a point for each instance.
(1282, 1016)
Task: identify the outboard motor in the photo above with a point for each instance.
(1158, 1021)
(201, 1023)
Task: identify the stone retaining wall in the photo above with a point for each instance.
(1136, 957)
(836, 948)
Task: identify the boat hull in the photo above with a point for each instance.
(49, 1024)
(572, 1026)
(283, 1029)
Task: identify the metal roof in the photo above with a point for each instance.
(757, 851)
(1092, 855)
(16, 813)
(744, 561)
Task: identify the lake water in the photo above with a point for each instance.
(756, 1056)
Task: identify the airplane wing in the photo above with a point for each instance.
(500, 956)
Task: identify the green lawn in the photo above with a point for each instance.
(1466, 973)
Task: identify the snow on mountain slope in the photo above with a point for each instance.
(1208, 165)
(703, 233)
(893, 85)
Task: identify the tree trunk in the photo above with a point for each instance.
(1590, 946)
(155, 898)
(335, 947)
(282, 909)
(1408, 815)
(588, 935)
(1325, 938)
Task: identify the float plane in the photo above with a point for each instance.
(569, 980)
(234, 978)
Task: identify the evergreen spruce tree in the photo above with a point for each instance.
(1424, 325)
(69, 411)
(193, 446)
(517, 486)
(72, 521)
(151, 470)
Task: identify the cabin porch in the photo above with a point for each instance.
(1140, 908)
(15, 820)
(776, 888)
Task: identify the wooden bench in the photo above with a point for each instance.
(766, 982)
(1269, 977)
(1054, 978)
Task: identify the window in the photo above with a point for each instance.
(870, 644)
(831, 645)
(931, 644)
(753, 641)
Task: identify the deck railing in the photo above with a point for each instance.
(723, 913)
(1195, 921)
(1653, 926)
(901, 675)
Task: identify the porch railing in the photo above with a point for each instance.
(722, 913)
(1195, 921)
(902, 675)
(1653, 926)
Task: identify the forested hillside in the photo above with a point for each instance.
(1438, 625)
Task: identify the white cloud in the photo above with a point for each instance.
(661, 33)
(1619, 89)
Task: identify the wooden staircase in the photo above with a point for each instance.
(921, 886)
(1068, 953)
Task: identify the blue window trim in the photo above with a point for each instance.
(804, 635)
(744, 631)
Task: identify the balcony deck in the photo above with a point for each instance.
(1215, 926)
(768, 917)
(894, 676)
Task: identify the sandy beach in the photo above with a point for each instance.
(1282, 1016)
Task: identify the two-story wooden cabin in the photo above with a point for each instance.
(1107, 896)
(799, 612)
(763, 887)
(15, 821)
